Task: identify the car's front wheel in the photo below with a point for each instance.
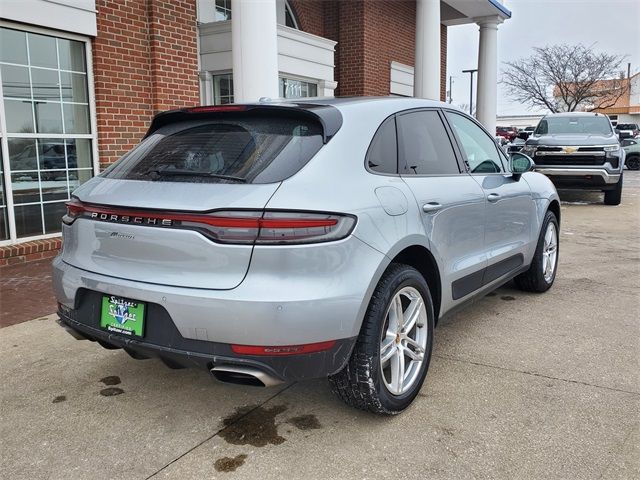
(544, 266)
(391, 356)
(633, 162)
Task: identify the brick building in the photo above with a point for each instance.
(81, 79)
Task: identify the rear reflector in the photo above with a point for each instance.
(283, 350)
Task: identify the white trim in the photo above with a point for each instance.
(44, 236)
(306, 37)
(44, 31)
(93, 136)
(71, 16)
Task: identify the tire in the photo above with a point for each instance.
(614, 197)
(633, 162)
(363, 383)
(535, 279)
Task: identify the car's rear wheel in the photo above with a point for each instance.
(614, 196)
(544, 266)
(633, 162)
(391, 356)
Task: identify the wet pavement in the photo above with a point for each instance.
(520, 386)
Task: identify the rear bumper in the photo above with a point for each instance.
(166, 343)
(290, 296)
(580, 177)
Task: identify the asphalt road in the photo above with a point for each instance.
(521, 386)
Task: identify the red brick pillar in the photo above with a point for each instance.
(174, 54)
(144, 61)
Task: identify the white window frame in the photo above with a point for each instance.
(298, 78)
(227, 10)
(93, 136)
(213, 85)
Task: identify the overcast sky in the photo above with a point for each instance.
(613, 25)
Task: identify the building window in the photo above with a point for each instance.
(290, 88)
(222, 89)
(223, 10)
(47, 139)
(289, 17)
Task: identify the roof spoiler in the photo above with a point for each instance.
(329, 117)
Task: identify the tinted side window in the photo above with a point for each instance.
(424, 146)
(479, 149)
(382, 156)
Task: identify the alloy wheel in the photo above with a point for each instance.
(550, 252)
(404, 341)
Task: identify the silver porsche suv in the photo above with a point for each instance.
(275, 242)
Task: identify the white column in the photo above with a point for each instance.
(427, 69)
(206, 88)
(487, 96)
(255, 49)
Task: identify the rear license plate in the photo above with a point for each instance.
(121, 315)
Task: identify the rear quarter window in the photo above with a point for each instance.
(232, 148)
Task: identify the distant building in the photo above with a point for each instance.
(627, 108)
(621, 101)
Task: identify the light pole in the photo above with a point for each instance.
(471, 72)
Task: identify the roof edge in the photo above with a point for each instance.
(501, 7)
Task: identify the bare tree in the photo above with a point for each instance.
(565, 78)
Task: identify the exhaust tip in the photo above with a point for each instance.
(244, 376)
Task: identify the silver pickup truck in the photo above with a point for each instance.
(579, 150)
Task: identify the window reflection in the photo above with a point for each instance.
(45, 95)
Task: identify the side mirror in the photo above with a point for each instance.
(521, 163)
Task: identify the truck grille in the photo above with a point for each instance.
(569, 160)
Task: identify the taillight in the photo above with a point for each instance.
(244, 227)
(75, 208)
(278, 228)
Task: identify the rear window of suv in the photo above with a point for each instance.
(230, 148)
(627, 126)
(574, 125)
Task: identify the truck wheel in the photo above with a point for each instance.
(633, 162)
(391, 357)
(614, 197)
(544, 266)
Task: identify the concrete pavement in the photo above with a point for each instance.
(521, 386)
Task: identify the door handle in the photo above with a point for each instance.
(494, 197)
(431, 207)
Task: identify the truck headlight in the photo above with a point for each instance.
(612, 148)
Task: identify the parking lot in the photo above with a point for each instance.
(520, 386)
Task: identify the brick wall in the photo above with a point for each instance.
(144, 61)
(370, 35)
(310, 15)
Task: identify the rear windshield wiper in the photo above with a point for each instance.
(195, 173)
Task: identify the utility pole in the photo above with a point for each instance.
(471, 72)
